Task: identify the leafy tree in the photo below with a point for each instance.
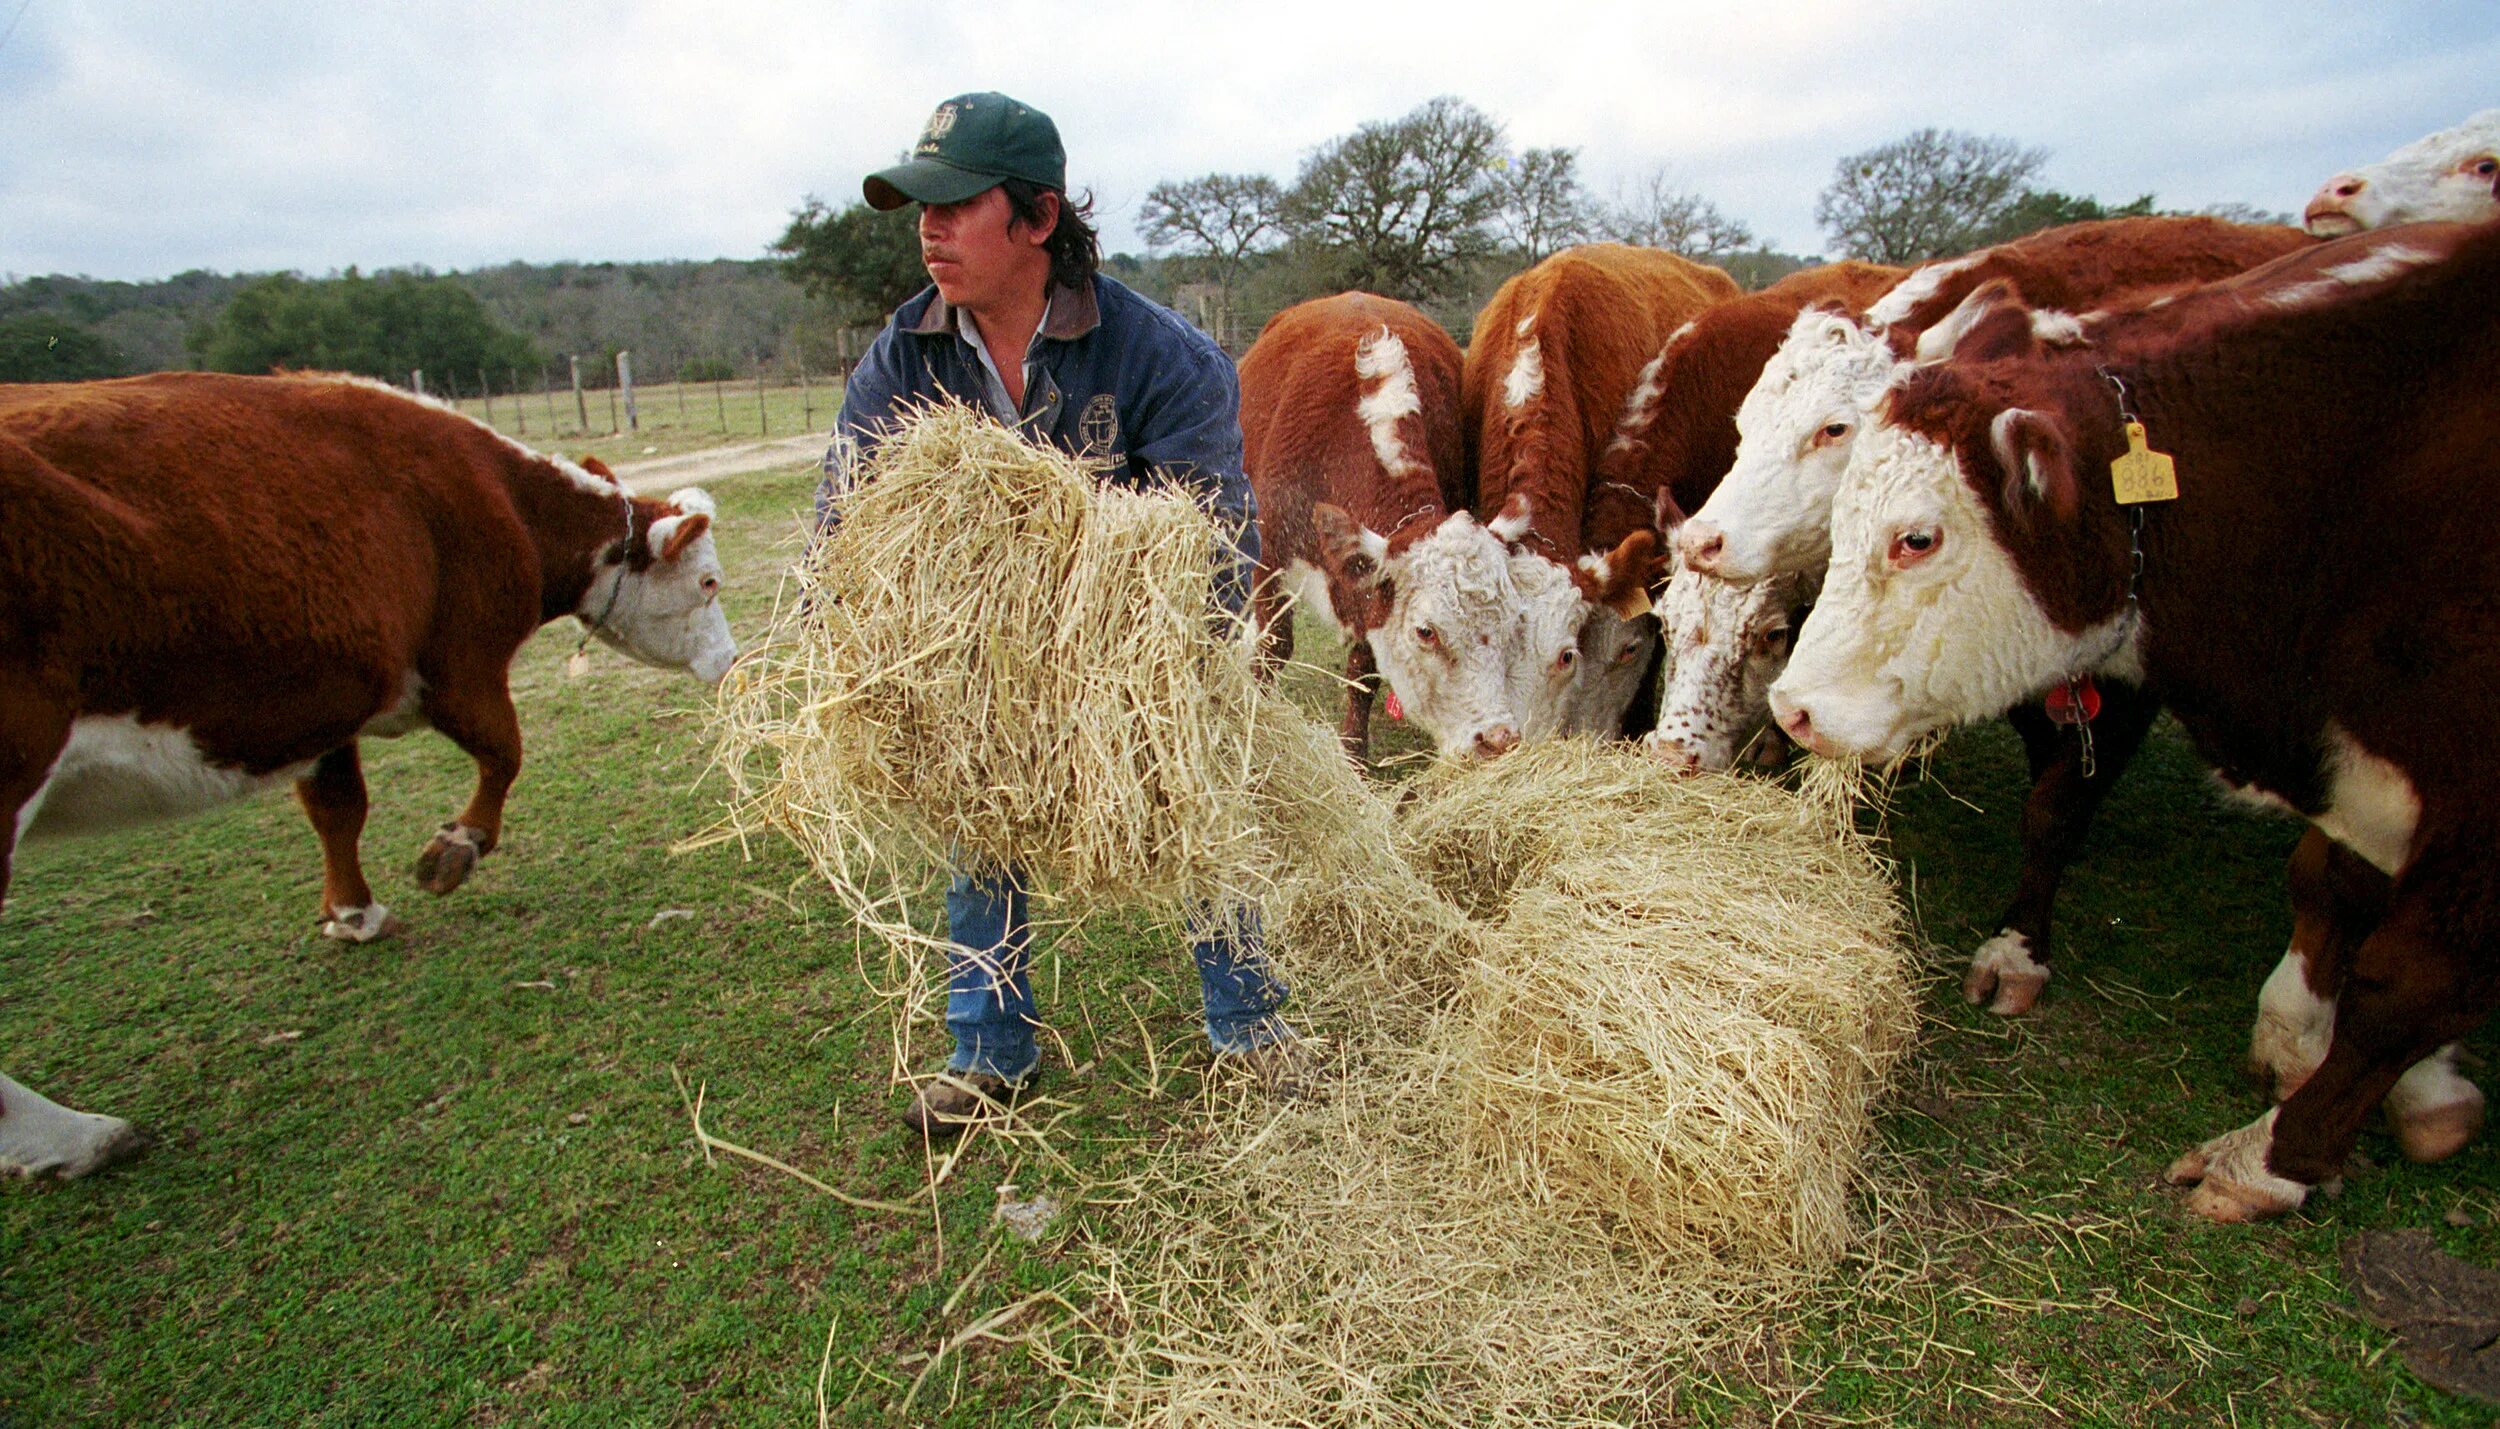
(380, 326)
(1221, 218)
(865, 263)
(2035, 209)
(40, 347)
(1660, 215)
(1402, 206)
(1542, 205)
(1935, 192)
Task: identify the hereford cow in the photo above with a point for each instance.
(2452, 175)
(1555, 355)
(210, 585)
(1771, 517)
(2314, 604)
(1350, 430)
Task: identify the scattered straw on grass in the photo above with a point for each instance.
(1604, 1040)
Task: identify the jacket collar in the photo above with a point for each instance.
(1073, 313)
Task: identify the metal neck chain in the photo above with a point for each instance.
(2131, 617)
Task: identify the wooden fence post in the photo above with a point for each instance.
(416, 380)
(807, 399)
(625, 379)
(763, 423)
(720, 404)
(581, 408)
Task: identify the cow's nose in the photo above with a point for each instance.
(1703, 544)
(1500, 739)
(1797, 723)
(1674, 755)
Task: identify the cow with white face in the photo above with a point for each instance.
(2453, 175)
(1351, 435)
(1726, 643)
(1772, 513)
(1980, 556)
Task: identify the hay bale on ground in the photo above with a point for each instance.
(1607, 1039)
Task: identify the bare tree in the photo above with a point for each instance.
(1660, 215)
(2236, 212)
(1542, 205)
(1932, 193)
(1223, 218)
(1401, 206)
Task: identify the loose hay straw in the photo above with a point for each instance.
(1605, 1039)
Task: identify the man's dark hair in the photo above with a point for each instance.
(1074, 250)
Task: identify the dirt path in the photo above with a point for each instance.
(658, 475)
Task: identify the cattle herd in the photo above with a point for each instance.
(1905, 512)
(2222, 469)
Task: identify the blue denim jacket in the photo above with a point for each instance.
(1114, 379)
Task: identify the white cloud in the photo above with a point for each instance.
(146, 139)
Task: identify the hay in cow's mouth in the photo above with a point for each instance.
(1603, 1039)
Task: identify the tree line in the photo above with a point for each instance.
(1435, 206)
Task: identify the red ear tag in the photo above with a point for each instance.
(1396, 710)
(2075, 702)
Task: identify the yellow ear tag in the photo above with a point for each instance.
(2143, 474)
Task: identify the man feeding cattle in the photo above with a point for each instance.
(1019, 323)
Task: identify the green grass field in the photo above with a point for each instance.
(448, 1179)
(672, 417)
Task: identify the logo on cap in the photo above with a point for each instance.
(940, 124)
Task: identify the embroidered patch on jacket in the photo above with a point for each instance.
(1098, 427)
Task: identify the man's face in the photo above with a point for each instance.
(978, 256)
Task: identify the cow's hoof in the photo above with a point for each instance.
(447, 860)
(2004, 975)
(71, 1144)
(2436, 1112)
(2232, 1183)
(369, 924)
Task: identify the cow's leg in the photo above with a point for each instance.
(2009, 970)
(2409, 992)
(477, 715)
(41, 1137)
(2337, 898)
(1362, 681)
(333, 796)
(1275, 617)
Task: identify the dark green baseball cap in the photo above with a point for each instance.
(969, 144)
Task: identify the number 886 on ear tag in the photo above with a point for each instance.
(2143, 474)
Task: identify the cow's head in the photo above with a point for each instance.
(1726, 644)
(1794, 433)
(1442, 617)
(656, 596)
(2453, 174)
(1926, 618)
(1586, 637)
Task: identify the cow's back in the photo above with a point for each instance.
(183, 545)
(2079, 266)
(1552, 359)
(1304, 424)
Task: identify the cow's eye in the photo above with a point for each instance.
(1566, 659)
(1835, 431)
(711, 587)
(1775, 642)
(1428, 637)
(2486, 166)
(1624, 655)
(1913, 545)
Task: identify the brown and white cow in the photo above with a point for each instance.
(210, 585)
(1553, 358)
(1350, 429)
(2452, 175)
(1770, 519)
(2314, 604)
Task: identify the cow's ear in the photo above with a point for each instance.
(1990, 323)
(693, 498)
(1669, 514)
(598, 468)
(2038, 461)
(1512, 523)
(1348, 550)
(1620, 579)
(687, 529)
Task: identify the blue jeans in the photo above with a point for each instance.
(989, 990)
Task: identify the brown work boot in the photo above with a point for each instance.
(942, 1106)
(1285, 1068)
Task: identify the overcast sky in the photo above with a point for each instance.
(139, 140)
